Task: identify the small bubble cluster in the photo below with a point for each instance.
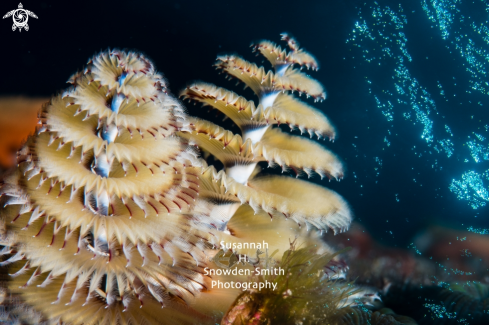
(454, 27)
(479, 231)
(439, 311)
(471, 188)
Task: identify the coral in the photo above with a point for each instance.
(18, 121)
(467, 254)
(111, 216)
(304, 295)
(360, 316)
(454, 304)
(371, 263)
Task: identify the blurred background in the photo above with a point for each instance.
(406, 83)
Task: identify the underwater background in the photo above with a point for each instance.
(407, 89)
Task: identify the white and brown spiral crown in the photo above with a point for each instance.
(301, 201)
(102, 202)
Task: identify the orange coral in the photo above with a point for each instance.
(19, 119)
